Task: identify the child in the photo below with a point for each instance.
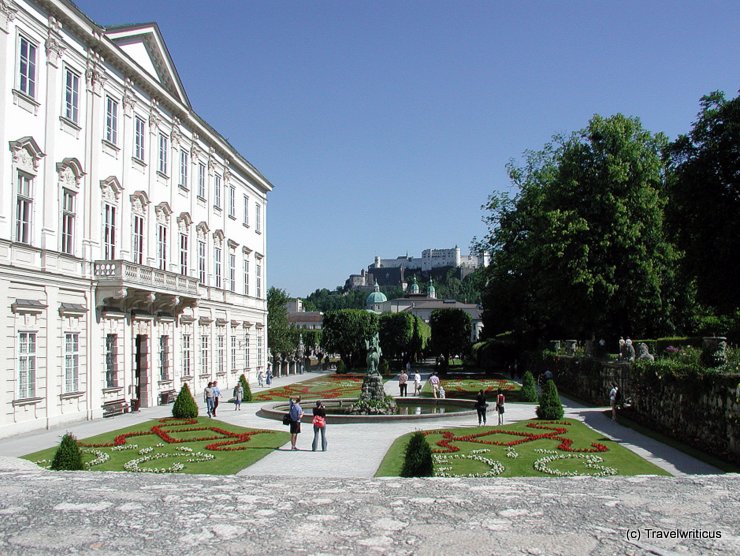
(441, 392)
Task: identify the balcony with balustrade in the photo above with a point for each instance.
(133, 286)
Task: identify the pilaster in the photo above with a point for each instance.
(50, 197)
(7, 15)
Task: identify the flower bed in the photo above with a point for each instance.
(189, 445)
(530, 448)
(324, 387)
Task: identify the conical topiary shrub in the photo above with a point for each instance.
(68, 456)
(185, 406)
(550, 407)
(247, 397)
(529, 388)
(418, 459)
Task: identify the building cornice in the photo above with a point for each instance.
(75, 21)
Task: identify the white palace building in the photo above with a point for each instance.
(132, 234)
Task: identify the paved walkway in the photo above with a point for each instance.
(356, 450)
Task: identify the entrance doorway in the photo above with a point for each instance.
(141, 369)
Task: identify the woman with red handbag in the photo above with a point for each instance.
(319, 425)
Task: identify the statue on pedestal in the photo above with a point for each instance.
(373, 354)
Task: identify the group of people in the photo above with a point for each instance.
(295, 414)
(403, 380)
(211, 395)
(262, 378)
(481, 406)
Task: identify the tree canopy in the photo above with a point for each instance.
(581, 249)
(704, 213)
(451, 330)
(279, 335)
(345, 331)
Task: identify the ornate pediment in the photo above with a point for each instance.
(111, 189)
(70, 173)
(26, 154)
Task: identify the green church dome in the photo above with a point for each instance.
(375, 298)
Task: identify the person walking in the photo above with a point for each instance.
(216, 396)
(500, 400)
(208, 399)
(403, 379)
(434, 383)
(319, 426)
(261, 379)
(269, 377)
(417, 384)
(480, 406)
(238, 395)
(296, 414)
(613, 395)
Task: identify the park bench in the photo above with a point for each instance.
(114, 407)
(168, 396)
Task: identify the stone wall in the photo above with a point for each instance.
(700, 409)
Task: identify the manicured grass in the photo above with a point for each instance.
(512, 450)
(685, 448)
(467, 388)
(218, 448)
(326, 387)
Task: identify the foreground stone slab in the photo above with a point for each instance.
(112, 513)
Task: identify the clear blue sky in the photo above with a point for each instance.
(384, 125)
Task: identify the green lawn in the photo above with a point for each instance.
(199, 445)
(560, 447)
(325, 387)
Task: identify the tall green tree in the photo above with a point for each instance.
(279, 336)
(451, 330)
(345, 332)
(704, 212)
(396, 332)
(581, 250)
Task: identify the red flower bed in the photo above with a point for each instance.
(556, 432)
(230, 439)
(318, 389)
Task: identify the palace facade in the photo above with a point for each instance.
(132, 234)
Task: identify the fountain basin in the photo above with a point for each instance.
(410, 409)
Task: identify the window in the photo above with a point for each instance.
(72, 95)
(217, 191)
(111, 360)
(202, 180)
(258, 277)
(202, 261)
(68, 221)
(220, 351)
(164, 357)
(233, 353)
(109, 232)
(184, 161)
(24, 208)
(217, 266)
(258, 218)
(27, 73)
(26, 365)
(259, 349)
(246, 211)
(164, 145)
(246, 350)
(246, 276)
(187, 354)
(162, 247)
(184, 254)
(232, 201)
(232, 272)
(204, 369)
(71, 362)
(138, 239)
(139, 138)
(111, 120)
